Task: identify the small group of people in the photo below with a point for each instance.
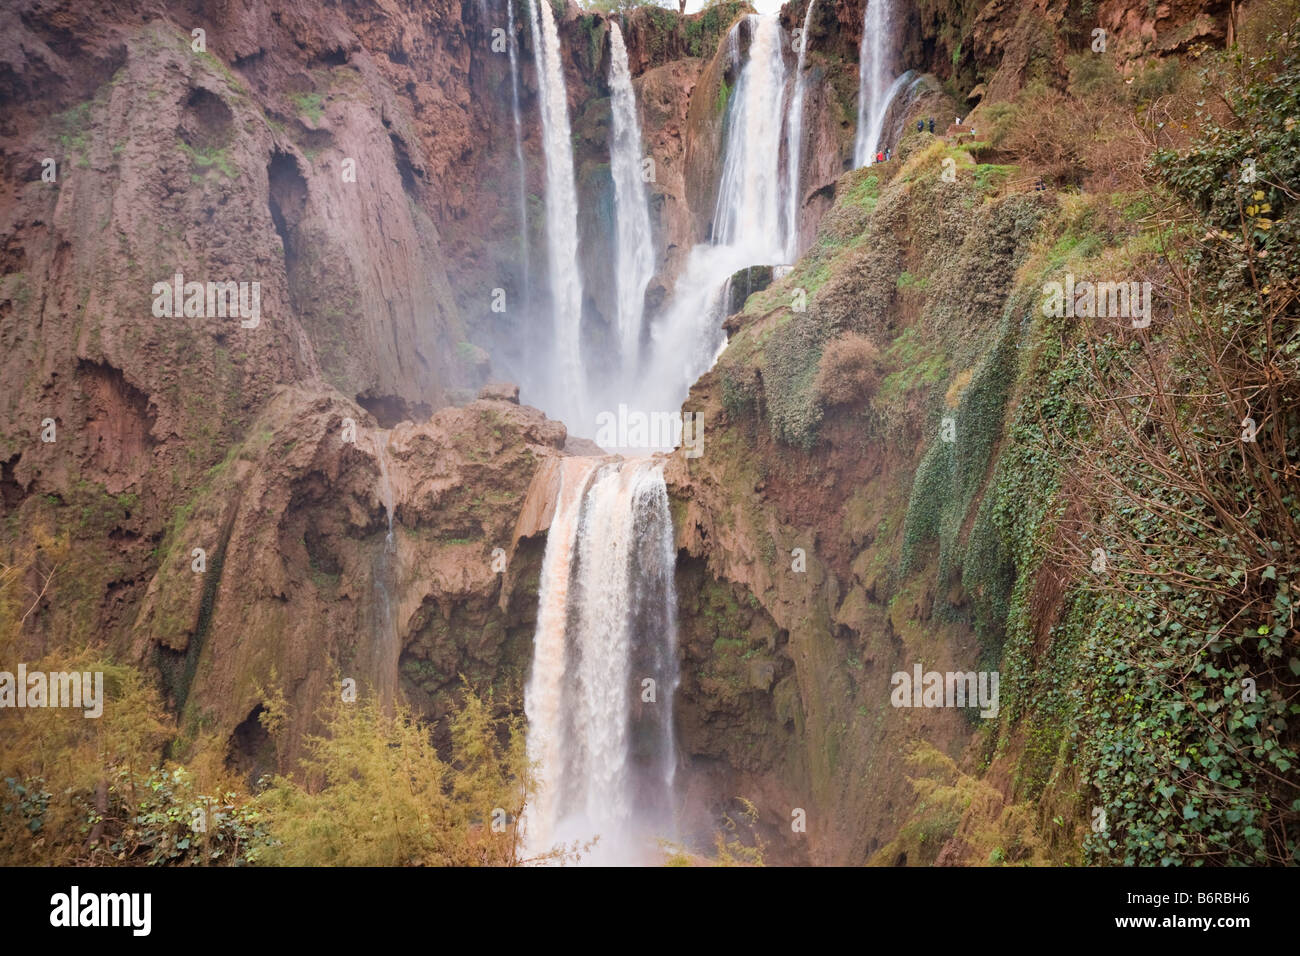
(884, 156)
(920, 125)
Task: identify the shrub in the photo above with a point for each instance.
(374, 792)
(793, 353)
(1157, 79)
(849, 371)
(999, 118)
(1093, 76)
(1082, 138)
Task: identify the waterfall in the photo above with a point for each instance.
(519, 148)
(600, 734)
(875, 78)
(749, 222)
(905, 80)
(385, 649)
(794, 143)
(567, 377)
(748, 209)
(635, 249)
(385, 487)
(543, 703)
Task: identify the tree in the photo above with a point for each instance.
(373, 791)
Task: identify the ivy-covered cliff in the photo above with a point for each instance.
(918, 463)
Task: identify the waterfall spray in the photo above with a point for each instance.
(636, 258)
(567, 380)
(876, 84)
(794, 143)
(599, 700)
(519, 148)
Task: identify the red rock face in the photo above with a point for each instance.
(357, 162)
(313, 151)
(119, 425)
(294, 530)
(308, 172)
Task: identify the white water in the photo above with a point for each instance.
(688, 338)
(385, 649)
(607, 610)
(567, 399)
(544, 704)
(794, 142)
(385, 485)
(748, 209)
(749, 224)
(733, 47)
(876, 81)
(606, 623)
(635, 249)
(519, 149)
(901, 82)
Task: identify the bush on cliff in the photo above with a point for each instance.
(849, 371)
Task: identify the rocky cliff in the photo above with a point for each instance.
(349, 494)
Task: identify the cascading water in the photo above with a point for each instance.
(636, 257)
(600, 697)
(754, 223)
(794, 142)
(544, 703)
(385, 488)
(519, 149)
(567, 380)
(748, 209)
(385, 647)
(901, 82)
(749, 222)
(876, 81)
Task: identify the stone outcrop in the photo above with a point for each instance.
(302, 583)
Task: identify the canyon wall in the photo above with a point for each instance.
(357, 163)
